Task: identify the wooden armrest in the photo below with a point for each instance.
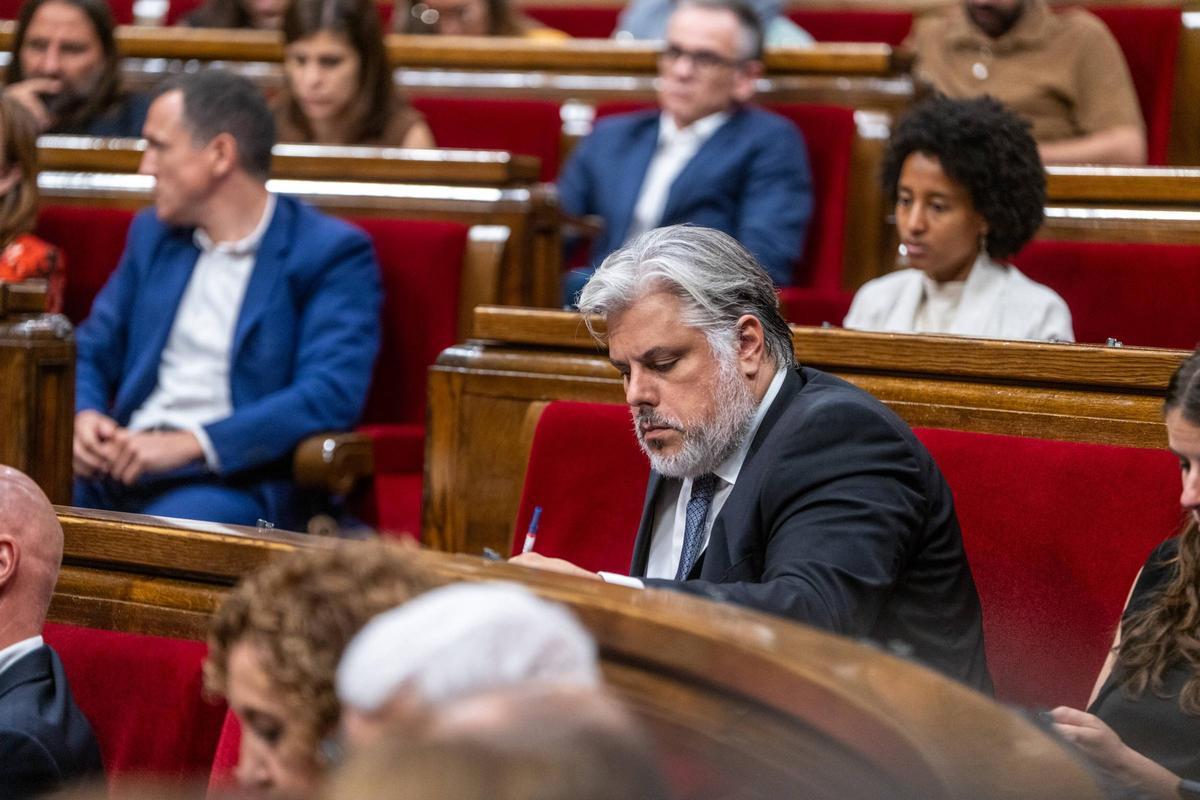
(334, 462)
(588, 226)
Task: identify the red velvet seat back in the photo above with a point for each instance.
(142, 695)
(525, 127)
(1142, 294)
(225, 759)
(829, 25)
(421, 265)
(829, 133)
(581, 22)
(1055, 533)
(92, 241)
(1149, 38)
(589, 476)
(122, 10)
(805, 306)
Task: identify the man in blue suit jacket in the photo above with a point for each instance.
(705, 157)
(237, 324)
(45, 741)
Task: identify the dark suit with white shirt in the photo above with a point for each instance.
(840, 519)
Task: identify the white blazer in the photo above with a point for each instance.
(998, 302)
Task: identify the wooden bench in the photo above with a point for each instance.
(37, 388)
(1054, 453)
(530, 267)
(742, 704)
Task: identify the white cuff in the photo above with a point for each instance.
(621, 580)
(210, 452)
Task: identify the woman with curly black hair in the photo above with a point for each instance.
(1145, 710)
(969, 191)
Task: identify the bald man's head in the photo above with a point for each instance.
(31, 544)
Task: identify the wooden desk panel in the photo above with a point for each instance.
(775, 708)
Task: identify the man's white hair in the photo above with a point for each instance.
(463, 639)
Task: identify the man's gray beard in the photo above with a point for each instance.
(704, 443)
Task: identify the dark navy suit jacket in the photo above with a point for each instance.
(750, 179)
(304, 343)
(841, 519)
(45, 741)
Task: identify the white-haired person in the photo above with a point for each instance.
(455, 642)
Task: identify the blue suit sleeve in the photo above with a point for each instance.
(101, 340)
(840, 519)
(336, 344)
(777, 202)
(27, 767)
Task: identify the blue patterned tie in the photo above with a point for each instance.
(693, 529)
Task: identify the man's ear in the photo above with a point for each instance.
(745, 79)
(224, 153)
(10, 554)
(752, 344)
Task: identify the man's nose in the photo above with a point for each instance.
(638, 390)
(51, 62)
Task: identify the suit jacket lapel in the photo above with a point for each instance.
(699, 168)
(629, 181)
(268, 268)
(981, 295)
(641, 545)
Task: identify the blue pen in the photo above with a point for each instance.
(531, 534)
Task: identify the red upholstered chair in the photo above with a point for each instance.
(805, 306)
(581, 22)
(829, 133)
(1149, 38)
(178, 9)
(225, 759)
(142, 695)
(1142, 294)
(589, 476)
(92, 241)
(421, 264)
(122, 10)
(830, 25)
(1055, 533)
(525, 127)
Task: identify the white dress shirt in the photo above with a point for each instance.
(193, 374)
(670, 511)
(676, 147)
(18, 650)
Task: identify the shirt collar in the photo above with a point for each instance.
(1032, 28)
(242, 247)
(701, 129)
(728, 469)
(18, 650)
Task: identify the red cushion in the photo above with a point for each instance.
(582, 22)
(804, 306)
(122, 10)
(829, 133)
(827, 25)
(526, 127)
(589, 476)
(1055, 533)
(178, 9)
(92, 241)
(142, 695)
(396, 498)
(225, 759)
(1142, 294)
(1149, 38)
(421, 265)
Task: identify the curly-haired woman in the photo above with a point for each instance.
(1144, 723)
(274, 647)
(969, 191)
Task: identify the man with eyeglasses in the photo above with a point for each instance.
(703, 156)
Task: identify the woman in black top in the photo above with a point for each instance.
(1144, 725)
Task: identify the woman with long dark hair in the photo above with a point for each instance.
(338, 87)
(1144, 722)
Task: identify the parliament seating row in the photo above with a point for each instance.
(1032, 438)
(426, 267)
(1135, 293)
(740, 705)
(1052, 548)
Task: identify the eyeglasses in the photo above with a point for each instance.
(702, 60)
